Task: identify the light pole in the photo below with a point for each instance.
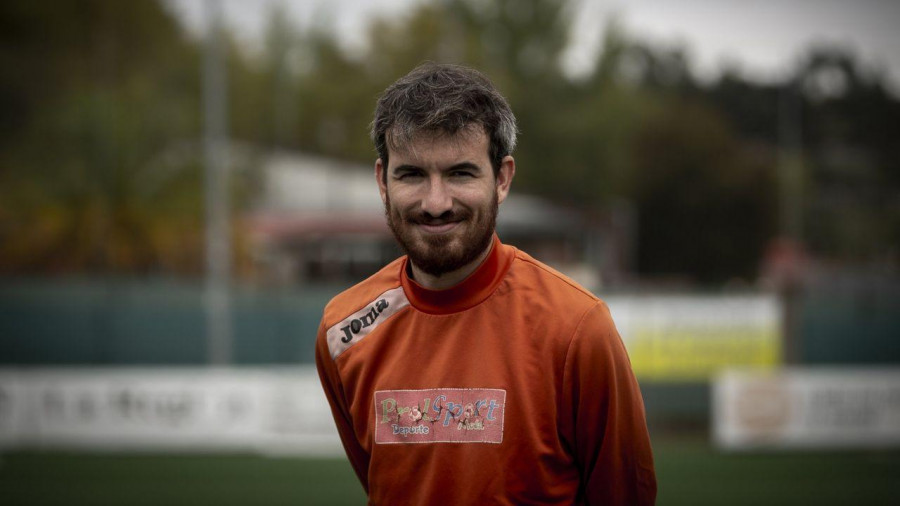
(217, 297)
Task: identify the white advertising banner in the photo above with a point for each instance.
(807, 408)
(268, 410)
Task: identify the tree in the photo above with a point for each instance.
(98, 171)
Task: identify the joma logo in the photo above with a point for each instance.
(364, 321)
(351, 329)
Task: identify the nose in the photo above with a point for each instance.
(437, 199)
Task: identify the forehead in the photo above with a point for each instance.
(438, 147)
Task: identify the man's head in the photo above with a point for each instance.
(444, 136)
(446, 99)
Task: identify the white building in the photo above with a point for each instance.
(321, 219)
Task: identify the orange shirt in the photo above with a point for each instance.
(512, 387)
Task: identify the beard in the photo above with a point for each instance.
(438, 254)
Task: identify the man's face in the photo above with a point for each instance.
(441, 198)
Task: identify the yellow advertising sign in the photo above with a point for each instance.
(687, 355)
(691, 338)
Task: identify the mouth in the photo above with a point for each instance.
(437, 228)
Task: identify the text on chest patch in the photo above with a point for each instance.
(440, 415)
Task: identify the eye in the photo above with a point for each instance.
(462, 173)
(408, 175)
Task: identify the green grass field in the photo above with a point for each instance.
(689, 473)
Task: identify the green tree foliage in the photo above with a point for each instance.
(851, 128)
(99, 131)
(623, 132)
(704, 205)
(100, 96)
(836, 117)
(704, 197)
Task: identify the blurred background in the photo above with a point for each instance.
(184, 184)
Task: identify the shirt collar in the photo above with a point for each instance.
(469, 292)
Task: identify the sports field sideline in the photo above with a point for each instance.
(689, 473)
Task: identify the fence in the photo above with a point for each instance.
(677, 342)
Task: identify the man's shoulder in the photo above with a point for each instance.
(364, 293)
(564, 303)
(550, 284)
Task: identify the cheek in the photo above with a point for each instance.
(395, 197)
(479, 199)
(402, 196)
(401, 206)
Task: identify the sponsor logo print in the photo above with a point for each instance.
(357, 326)
(440, 415)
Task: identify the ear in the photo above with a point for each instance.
(380, 179)
(504, 177)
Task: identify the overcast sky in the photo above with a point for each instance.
(762, 37)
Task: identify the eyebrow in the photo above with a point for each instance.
(406, 167)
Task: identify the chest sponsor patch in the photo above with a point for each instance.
(440, 415)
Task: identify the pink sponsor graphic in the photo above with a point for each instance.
(440, 415)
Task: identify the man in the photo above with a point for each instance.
(466, 372)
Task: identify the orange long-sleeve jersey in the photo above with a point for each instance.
(512, 387)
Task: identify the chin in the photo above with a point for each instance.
(448, 239)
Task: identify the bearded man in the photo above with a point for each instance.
(466, 371)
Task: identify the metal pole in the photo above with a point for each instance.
(790, 162)
(218, 237)
(790, 175)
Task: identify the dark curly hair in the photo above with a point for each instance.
(443, 98)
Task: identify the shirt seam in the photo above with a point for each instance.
(575, 335)
(566, 364)
(556, 275)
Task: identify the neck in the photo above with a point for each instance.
(448, 279)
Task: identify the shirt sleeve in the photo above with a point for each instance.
(334, 392)
(607, 428)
